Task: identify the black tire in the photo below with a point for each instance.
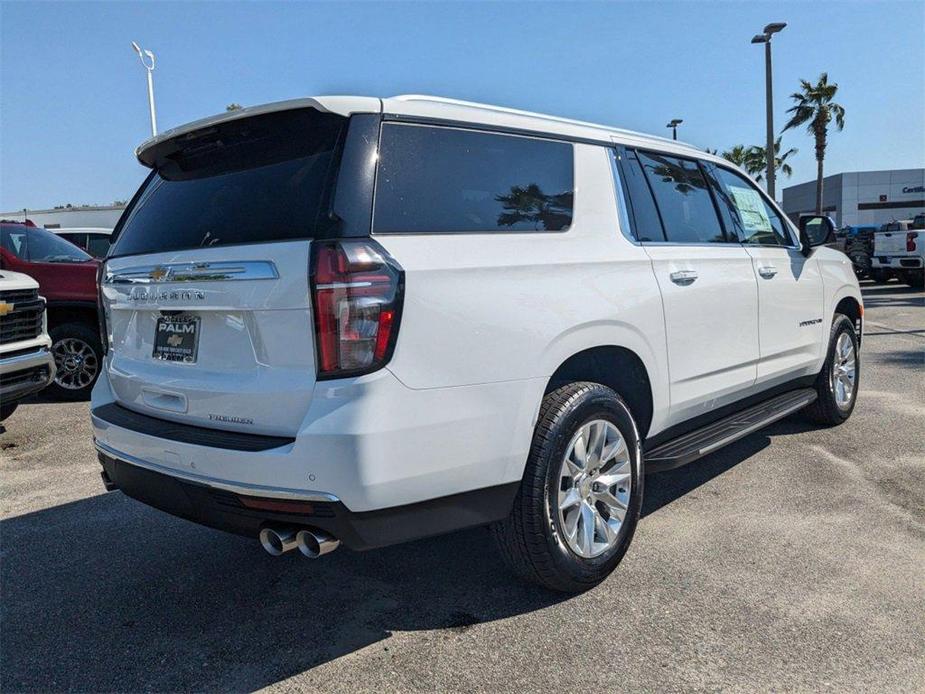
(7, 409)
(880, 276)
(826, 410)
(530, 540)
(915, 278)
(60, 337)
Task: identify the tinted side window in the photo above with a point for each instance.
(754, 221)
(683, 198)
(434, 179)
(646, 224)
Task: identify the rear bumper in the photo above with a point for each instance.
(370, 442)
(25, 371)
(896, 262)
(244, 510)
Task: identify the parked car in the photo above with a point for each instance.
(67, 279)
(363, 321)
(899, 251)
(93, 240)
(26, 364)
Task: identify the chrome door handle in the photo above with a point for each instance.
(683, 277)
(767, 272)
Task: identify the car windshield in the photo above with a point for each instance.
(37, 245)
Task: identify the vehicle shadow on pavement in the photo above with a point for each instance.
(107, 594)
(662, 488)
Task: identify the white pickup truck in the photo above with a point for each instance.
(26, 364)
(899, 251)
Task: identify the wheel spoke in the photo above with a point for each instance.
(571, 498)
(595, 482)
(620, 468)
(586, 540)
(616, 448)
(596, 442)
(605, 529)
(571, 469)
(570, 525)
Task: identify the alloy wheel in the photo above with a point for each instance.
(76, 362)
(594, 487)
(844, 371)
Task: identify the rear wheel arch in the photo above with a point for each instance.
(62, 313)
(618, 368)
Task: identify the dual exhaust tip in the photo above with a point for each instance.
(311, 543)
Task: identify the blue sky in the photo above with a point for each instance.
(73, 103)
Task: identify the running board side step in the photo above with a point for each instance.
(696, 444)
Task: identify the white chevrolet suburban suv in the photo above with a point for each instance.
(26, 362)
(364, 321)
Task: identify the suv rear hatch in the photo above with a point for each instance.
(206, 300)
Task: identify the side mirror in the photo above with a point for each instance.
(815, 231)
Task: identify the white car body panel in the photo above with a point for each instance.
(712, 324)
(791, 326)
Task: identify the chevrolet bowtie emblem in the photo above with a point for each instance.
(158, 273)
(5, 308)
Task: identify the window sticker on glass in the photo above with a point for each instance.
(751, 210)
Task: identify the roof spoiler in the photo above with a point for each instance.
(147, 152)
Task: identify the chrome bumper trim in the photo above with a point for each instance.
(40, 357)
(236, 487)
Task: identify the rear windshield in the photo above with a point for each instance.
(265, 178)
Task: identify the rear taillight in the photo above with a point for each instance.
(357, 297)
(910, 241)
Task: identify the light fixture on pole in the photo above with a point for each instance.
(147, 59)
(765, 38)
(675, 122)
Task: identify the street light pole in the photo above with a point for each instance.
(149, 67)
(770, 155)
(675, 122)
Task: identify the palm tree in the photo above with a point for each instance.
(738, 155)
(757, 162)
(814, 107)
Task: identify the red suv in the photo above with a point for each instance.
(67, 279)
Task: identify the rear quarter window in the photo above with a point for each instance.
(443, 179)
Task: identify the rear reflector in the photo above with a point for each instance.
(357, 296)
(278, 505)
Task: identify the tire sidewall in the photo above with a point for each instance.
(600, 403)
(7, 409)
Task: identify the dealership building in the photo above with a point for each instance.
(69, 217)
(861, 197)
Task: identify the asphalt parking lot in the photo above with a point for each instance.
(792, 560)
